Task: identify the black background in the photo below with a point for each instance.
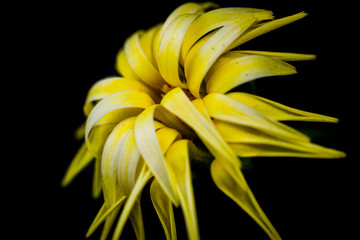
(58, 50)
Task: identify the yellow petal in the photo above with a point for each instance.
(114, 144)
(111, 189)
(278, 111)
(103, 213)
(123, 67)
(97, 137)
(285, 149)
(227, 109)
(187, 8)
(114, 108)
(166, 137)
(111, 85)
(265, 28)
(141, 65)
(164, 210)
(172, 121)
(169, 51)
(200, 107)
(217, 18)
(113, 147)
(147, 43)
(285, 56)
(237, 71)
(250, 142)
(149, 147)
(198, 66)
(82, 158)
(80, 132)
(206, 131)
(97, 179)
(127, 163)
(243, 197)
(137, 221)
(122, 157)
(132, 199)
(177, 159)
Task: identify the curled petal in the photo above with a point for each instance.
(110, 85)
(164, 138)
(147, 43)
(187, 8)
(150, 149)
(197, 66)
(114, 108)
(169, 51)
(112, 149)
(215, 19)
(123, 67)
(206, 131)
(141, 65)
(234, 72)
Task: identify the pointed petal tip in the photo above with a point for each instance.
(329, 153)
(64, 182)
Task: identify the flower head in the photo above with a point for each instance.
(177, 89)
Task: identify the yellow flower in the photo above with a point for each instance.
(174, 93)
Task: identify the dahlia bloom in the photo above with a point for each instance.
(176, 101)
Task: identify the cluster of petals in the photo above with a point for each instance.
(177, 87)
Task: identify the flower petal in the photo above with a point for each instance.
(147, 43)
(177, 159)
(114, 108)
(112, 192)
(217, 18)
(110, 85)
(278, 111)
(197, 66)
(242, 196)
(137, 220)
(112, 149)
(237, 71)
(166, 137)
(192, 117)
(265, 28)
(123, 67)
(206, 131)
(97, 179)
(149, 147)
(285, 56)
(169, 51)
(103, 214)
(82, 158)
(141, 65)
(132, 199)
(164, 210)
(186, 8)
(227, 109)
(250, 142)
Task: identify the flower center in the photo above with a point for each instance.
(167, 88)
